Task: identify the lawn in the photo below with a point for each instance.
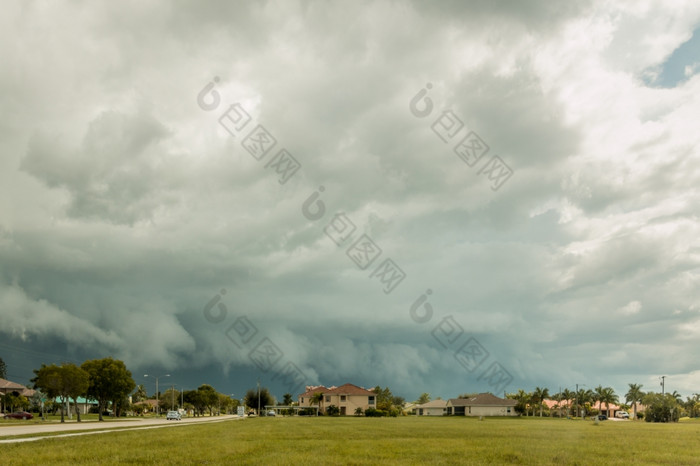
(406, 440)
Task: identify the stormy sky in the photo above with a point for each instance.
(440, 197)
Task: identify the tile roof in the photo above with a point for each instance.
(346, 389)
(6, 384)
(350, 389)
(482, 399)
(311, 390)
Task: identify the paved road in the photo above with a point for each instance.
(97, 427)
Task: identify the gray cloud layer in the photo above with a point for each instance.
(127, 207)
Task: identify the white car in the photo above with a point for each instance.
(173, 415)
(622, 415)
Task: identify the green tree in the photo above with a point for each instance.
(567, 396)
(316, 399)
(251, 398)
(287, 399)
(195, 399)
(634, 395)
(661, 408)
(424, 398)
(48, 380)
(110, 380)
(3, 369)
(598, 396)
(523, 399)
(609, 396)
(140, 394)
(75, 384)
(209, 396)
(582, 397)
(169, 399)
(538, 397)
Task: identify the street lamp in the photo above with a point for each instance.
(157, 377)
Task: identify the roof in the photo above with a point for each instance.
(482, 399)
(350, 389)
(311, 390)
(80, 400)
(554, 403)
(6, 384)
(433, 404)
(346, 389)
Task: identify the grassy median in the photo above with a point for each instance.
(404, 440)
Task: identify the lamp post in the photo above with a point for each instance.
(157, 403)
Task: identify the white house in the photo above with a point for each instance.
(432, 408)
(483, 404)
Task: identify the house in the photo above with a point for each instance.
(483, 404)
(556, 407)
(8, 387)
(84, 404)
(431, 408)
(348, 398)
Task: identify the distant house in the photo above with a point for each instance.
(431, 408)
(347, 398)
(9, 387)
(84, 404)
(483, 404)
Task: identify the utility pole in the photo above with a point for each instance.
(663, 388)
(258, 397)
(157, 401)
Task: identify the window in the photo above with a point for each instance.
(342, 397)
(328, 398)
(302, 401)
(371, 400)
(508, 409)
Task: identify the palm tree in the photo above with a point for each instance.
(316, 399)
(523, 398)
(539, 396)
(677, 396)
(583, 397)
(598, 394)
(634, 395)
(609, 396)
(567, 395)
(140, 394)
(690, 404)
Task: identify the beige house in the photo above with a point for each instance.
(483, 404)
(8, 387)
(347, 398)
(431, 408)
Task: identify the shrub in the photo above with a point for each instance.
(333, 410)
(358, 411)
(372, 412)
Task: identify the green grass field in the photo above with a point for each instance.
(406, 440)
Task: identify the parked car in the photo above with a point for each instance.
(601, 417)
(271, 413)
(173, 415)
(19, 415)
(622, 415)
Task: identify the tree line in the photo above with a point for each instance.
(659, 407)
